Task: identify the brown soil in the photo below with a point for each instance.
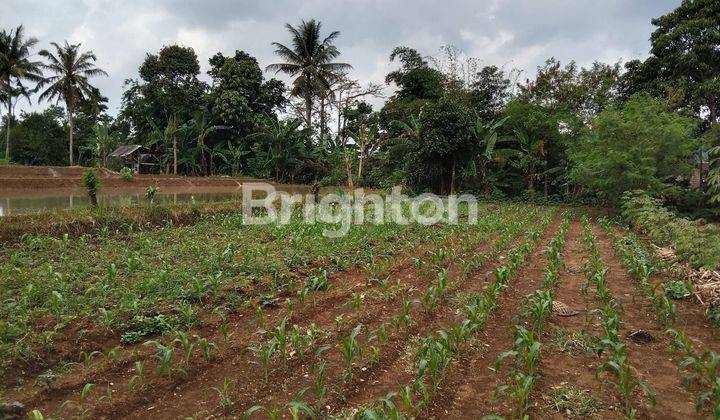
(29, 180)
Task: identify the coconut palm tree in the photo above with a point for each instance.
(310, 61)
(71, 70)
(15, 68)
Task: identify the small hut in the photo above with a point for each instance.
(138, 158)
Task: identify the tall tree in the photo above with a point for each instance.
(490, 91)
(70, 83)
(15, 68)
(686, 45)
(310, 61)
(172, 89)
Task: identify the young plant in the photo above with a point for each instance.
(265, 354)
(137, 381)
(164, 357)
(350, 350)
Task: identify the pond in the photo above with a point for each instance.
(21, 203)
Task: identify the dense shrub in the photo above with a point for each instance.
(695, 242)
(126, 173)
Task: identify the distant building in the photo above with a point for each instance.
(138, 158)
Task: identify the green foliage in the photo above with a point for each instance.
(126, 173)
(642, 145)
(92, 185)
(150, 192)
(39, 138)
(695, 242)
(677, 289)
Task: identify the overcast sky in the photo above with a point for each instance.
(511, 33)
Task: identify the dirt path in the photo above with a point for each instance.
(571, 366)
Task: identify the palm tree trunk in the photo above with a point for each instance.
(174, 144)
(70, 125)
(308, 110)
(322, 120)
(7, 128)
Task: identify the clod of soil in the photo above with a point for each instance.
(641, 336)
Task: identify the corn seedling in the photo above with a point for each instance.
(224, 398)
(265, 354)
(164, 357)
(137, 381)
(350, 350)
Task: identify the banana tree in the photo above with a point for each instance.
(201, 127)
(486, 150)
(231, 155)
(530, 159)
(165, 139)
(103, 144)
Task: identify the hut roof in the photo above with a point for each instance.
(127, 149)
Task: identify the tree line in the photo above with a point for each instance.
(449, 125)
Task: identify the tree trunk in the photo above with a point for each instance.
(545, 187)
(322, 120)
(712, 106)
(70, 124)
(308, 110)
(363, 141)
(486, 184)
(348, 170)
(361, 164)
(529, 181)
(174, 144)
(452, 178)
(7, 129)
(202, 156)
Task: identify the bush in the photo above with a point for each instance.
(643, 145)
(92, 185)
(150, 193)
(126, 173)
(695, 242)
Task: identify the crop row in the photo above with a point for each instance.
(700, 367)
(609, 346)
(437, 351)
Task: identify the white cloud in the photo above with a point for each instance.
(517, 33)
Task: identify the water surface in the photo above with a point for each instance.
(19, 203)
